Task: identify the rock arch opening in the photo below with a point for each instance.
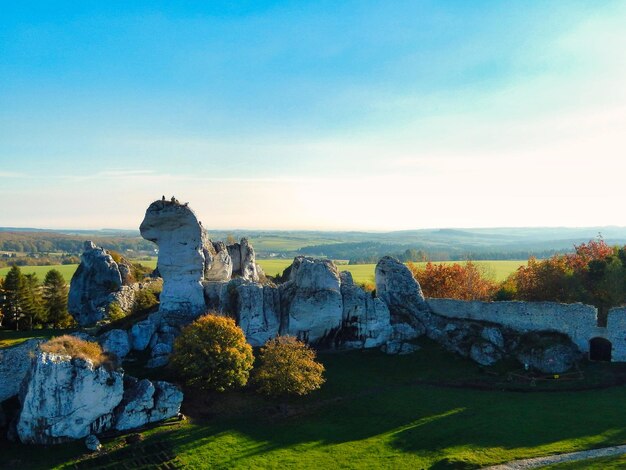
(600, 349)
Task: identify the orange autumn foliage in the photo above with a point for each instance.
(454, 281)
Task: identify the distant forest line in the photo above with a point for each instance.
(34, 246)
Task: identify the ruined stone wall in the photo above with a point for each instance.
(616, 333)
(578, 321)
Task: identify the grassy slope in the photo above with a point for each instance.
(499, 269)
(373, 413)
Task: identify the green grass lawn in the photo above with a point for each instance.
(10, 338)
(373, 412)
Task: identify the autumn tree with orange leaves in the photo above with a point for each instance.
(454, 281)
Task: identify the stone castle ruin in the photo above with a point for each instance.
(320, 305)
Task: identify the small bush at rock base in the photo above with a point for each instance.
(212, 354)
(288, 367)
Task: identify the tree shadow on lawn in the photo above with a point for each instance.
(448, 427)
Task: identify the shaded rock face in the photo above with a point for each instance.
(146, 402)
(116, 342)
(396, 287)
(550, 353)
(365, 319)
(179, 236)
(64, 399)
(93, 285)
(15, 363)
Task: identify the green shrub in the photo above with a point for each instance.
(288, 367)
(212, 354)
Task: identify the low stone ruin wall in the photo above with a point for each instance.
(578, 321)
(616, 333)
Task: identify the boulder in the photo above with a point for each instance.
(142, 332)
(96, 278)
(485, 353)
(14, 366)
(549, 353)
(311, 302)
(93, 443)
(494, 336)
(116, 342)
(167, 401)
(399, 348)
(396, 286)
(65, 398)
(137, 404)
(176, 230)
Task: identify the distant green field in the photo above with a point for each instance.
(497, 269)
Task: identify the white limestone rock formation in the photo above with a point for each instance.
(116, 342)
(15, 363)
(396, 286)
(256, 308)
(142, 332)
(93, 285)
(92, 443)
(175, 229)
(243, 260)
(311, 302)
(66, 399)
(366, 320)
(218, 265)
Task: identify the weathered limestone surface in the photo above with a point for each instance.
(14, 366)
(396, 286)
(577, 321)
(116, 342)
(616, 333)
(243, 260)
(96, 279)
(366, 319)
(176, 230)
(311, 301)
(64, 398)
(218, 265)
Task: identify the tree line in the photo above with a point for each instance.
(25, 302)
(595, 274)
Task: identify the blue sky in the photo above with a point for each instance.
(313, 115)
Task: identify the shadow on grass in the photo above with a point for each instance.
(372, 406)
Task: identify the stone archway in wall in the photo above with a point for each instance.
(600, 349)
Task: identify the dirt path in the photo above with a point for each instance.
(539, 462)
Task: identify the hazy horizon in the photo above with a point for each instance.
(288, 116)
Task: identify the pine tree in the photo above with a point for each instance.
(32, 301)
(13, 295)
(55, 299)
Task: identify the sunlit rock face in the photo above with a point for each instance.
(175, 229)
(243, 260)
(403, 295)
(64, 398)
(14, 365)
(311, 301)
(67, 399)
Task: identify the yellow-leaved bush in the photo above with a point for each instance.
(287, 366)
(212, 353)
